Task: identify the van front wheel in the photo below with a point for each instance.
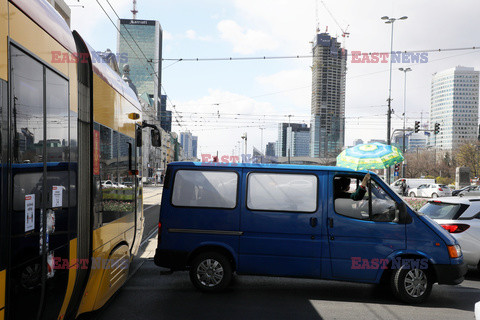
(211, 272)
(411, 285)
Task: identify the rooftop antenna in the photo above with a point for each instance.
(134, 11)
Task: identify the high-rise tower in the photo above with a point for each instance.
(327, 132)
(454, 105)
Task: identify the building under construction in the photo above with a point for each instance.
(327, 132)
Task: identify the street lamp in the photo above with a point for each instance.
(404, 70)
(391, 21)
(244, 136)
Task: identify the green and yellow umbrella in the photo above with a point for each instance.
(369, 156)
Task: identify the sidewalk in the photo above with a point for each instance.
(152, 195)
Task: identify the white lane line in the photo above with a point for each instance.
(150, 235)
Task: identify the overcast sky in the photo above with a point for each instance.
(264, 92)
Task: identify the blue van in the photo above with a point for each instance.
(299, 221)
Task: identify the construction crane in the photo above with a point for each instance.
(345, 34)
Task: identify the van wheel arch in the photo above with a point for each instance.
(212, 248)
(385, 278)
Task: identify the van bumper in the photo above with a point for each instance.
(450, 273)
(172, 259)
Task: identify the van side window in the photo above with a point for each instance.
(352, 202)
(282, 192)
(209, 189)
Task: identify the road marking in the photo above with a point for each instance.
(151, 234)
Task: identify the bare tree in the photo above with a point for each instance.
(468, 155)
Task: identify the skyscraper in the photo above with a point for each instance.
(454, 105)
(293, 137)
(186, 141)
(144, 54)
(327, 130)
(194, 146)
(164, 115)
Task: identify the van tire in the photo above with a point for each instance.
(422, 277)
(434, 195)
(211, 272)
(412, 194)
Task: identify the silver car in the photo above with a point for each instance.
(461, 218)
(470, 191)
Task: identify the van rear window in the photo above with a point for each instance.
(208, 189)
(282, 192)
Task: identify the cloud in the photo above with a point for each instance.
(245, 41)
(294, 85)
(97, 29)
(167, 35)
(192, 35)
(219, 119)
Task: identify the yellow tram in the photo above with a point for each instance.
(71, 214)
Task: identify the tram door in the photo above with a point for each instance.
(39, 189)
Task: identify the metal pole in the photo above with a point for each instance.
(389, 112)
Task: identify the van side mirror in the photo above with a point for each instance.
(401, 214)
(156, 138)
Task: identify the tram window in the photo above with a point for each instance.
(117, 186)
(57, 118)
(27, 111)
(25, 184)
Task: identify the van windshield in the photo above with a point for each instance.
(441, 210)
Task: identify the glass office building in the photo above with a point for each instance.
(454, 105)
(143, 53)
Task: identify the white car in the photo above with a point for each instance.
(431, 190)
(460, 217)
(110, 184)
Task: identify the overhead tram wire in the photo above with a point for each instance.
(148, 61)
(311, 55)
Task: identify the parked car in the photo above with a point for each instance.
(431, 190)
(110, 184)
(299, 221)
(470, 191)
(460, 217)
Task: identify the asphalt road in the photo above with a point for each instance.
(152, 294)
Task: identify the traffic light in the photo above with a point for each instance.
(437, 128)
(417, 126)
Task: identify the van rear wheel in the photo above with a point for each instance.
(211, 272)
(411, 285)
(412, 195)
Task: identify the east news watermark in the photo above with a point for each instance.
(94, 263)
(385, 57)
(232, 160)
(82, 57)
(359, 263)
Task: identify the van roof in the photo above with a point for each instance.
(262, 165)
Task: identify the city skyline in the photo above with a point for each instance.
(270, 90)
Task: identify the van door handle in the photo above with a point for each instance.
(313, 222)
(330, 222)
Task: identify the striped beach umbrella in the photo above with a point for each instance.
(369, 156)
